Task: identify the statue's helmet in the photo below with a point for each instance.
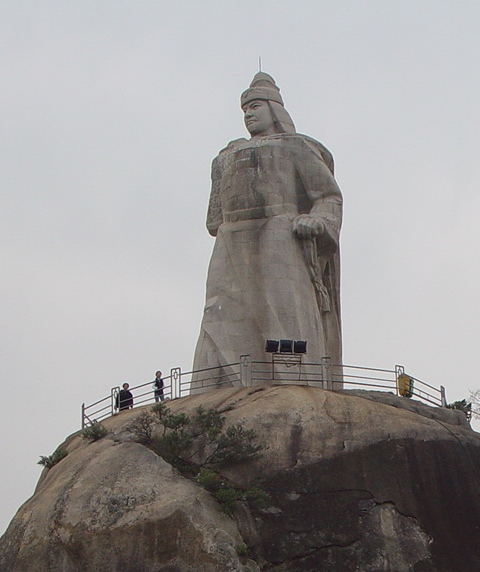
(263, 87)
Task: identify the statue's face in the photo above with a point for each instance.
(258, 118)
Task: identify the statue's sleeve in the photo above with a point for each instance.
(323, 193)
(214, 214)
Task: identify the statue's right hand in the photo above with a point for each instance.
(307, 226)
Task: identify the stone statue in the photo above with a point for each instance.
(276, 211)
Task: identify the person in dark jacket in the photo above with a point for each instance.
(124, 398)
(158, 386)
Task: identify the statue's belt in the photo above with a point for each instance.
(260, 212)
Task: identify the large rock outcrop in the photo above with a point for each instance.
(359, 481)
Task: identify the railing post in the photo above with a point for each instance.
(245, 371)
(113, 398)
(176, 377)
(327, 373)
(83, 416)
(443, 396)
(399, 370)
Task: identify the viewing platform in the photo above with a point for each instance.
(281, 370)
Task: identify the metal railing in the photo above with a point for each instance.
(281, 370)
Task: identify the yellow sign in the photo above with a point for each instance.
(405, 385)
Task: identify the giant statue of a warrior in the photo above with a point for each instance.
(276, 212)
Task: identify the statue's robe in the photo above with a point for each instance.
(264, 282)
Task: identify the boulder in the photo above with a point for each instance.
(358, 482)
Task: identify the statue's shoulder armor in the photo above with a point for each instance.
(315, 146)
(233, 146)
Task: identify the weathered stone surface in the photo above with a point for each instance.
(116, 506)
(276, 212)
(357, 485)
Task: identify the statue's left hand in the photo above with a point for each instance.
(306, 226)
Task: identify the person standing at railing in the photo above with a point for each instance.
(124, 398)
(158, 387)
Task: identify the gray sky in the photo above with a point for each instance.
(111, 113)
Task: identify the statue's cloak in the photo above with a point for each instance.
(264, 282)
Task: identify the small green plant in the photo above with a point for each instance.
(199, 445)
(207, 423)
(242, 550)
(236, 445)
(462, 405)
(258, 498)
(192, 442)
(227, 497)
(51, 460)
(94, 432)
(227, 494)
(209, 480)
(161, 410)
(142, 427)
(174, 448)
(175, 422)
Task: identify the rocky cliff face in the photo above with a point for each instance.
(359, 481)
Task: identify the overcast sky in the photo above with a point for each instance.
(111, 112)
